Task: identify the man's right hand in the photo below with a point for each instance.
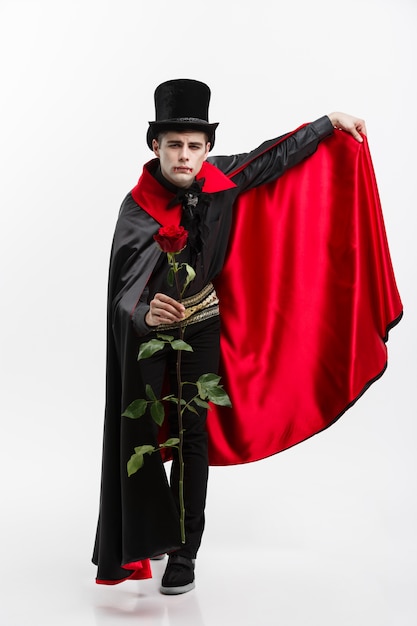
(349, 123)
(164, 310)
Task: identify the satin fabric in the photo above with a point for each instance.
(307, 296)
(136, 570)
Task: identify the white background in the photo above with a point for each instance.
(321, 534)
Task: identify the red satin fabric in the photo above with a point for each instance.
(307, 297)
(139, 570)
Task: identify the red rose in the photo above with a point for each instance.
(171, 238)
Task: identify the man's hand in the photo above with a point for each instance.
(164, 310)
(349, 123)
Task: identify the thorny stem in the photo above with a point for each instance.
(180, 421)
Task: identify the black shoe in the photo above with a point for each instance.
(179, 575)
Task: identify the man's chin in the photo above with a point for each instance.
(182, 179)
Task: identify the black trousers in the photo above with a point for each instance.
(204, 337)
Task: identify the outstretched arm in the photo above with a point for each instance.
(349, 123)
(271, 159)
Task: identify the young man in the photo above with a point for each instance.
(139, 515)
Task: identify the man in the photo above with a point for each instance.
(139, 514)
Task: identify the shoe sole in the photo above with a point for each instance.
(175, 591)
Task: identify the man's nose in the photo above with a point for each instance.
(184, 153)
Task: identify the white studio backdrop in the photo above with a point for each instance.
(77, 82)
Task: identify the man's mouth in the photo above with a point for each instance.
(183, 170)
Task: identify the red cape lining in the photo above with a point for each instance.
(307, 297)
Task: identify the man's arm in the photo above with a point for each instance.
(274, 157)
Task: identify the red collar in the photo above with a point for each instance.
(154, 198)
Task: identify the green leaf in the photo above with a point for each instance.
(145, 449)
(170, 277)
(192, 409)
(157, 412)
(170, 443)
(190, 276)
(209, 380)
(136, 460)
(149, 348)
(136, 409)
(168, 338)
(206, 382)
(150, 392)
(179, 344)
(134, 464)
(201, 403)
(219, 396)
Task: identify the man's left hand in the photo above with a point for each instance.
(349, 123)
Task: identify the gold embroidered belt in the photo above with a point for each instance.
(201, 306)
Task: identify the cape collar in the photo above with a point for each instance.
(154, 198)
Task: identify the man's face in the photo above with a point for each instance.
(181, 155)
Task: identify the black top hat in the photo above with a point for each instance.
(181, 105)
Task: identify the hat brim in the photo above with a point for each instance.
(181, 125)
